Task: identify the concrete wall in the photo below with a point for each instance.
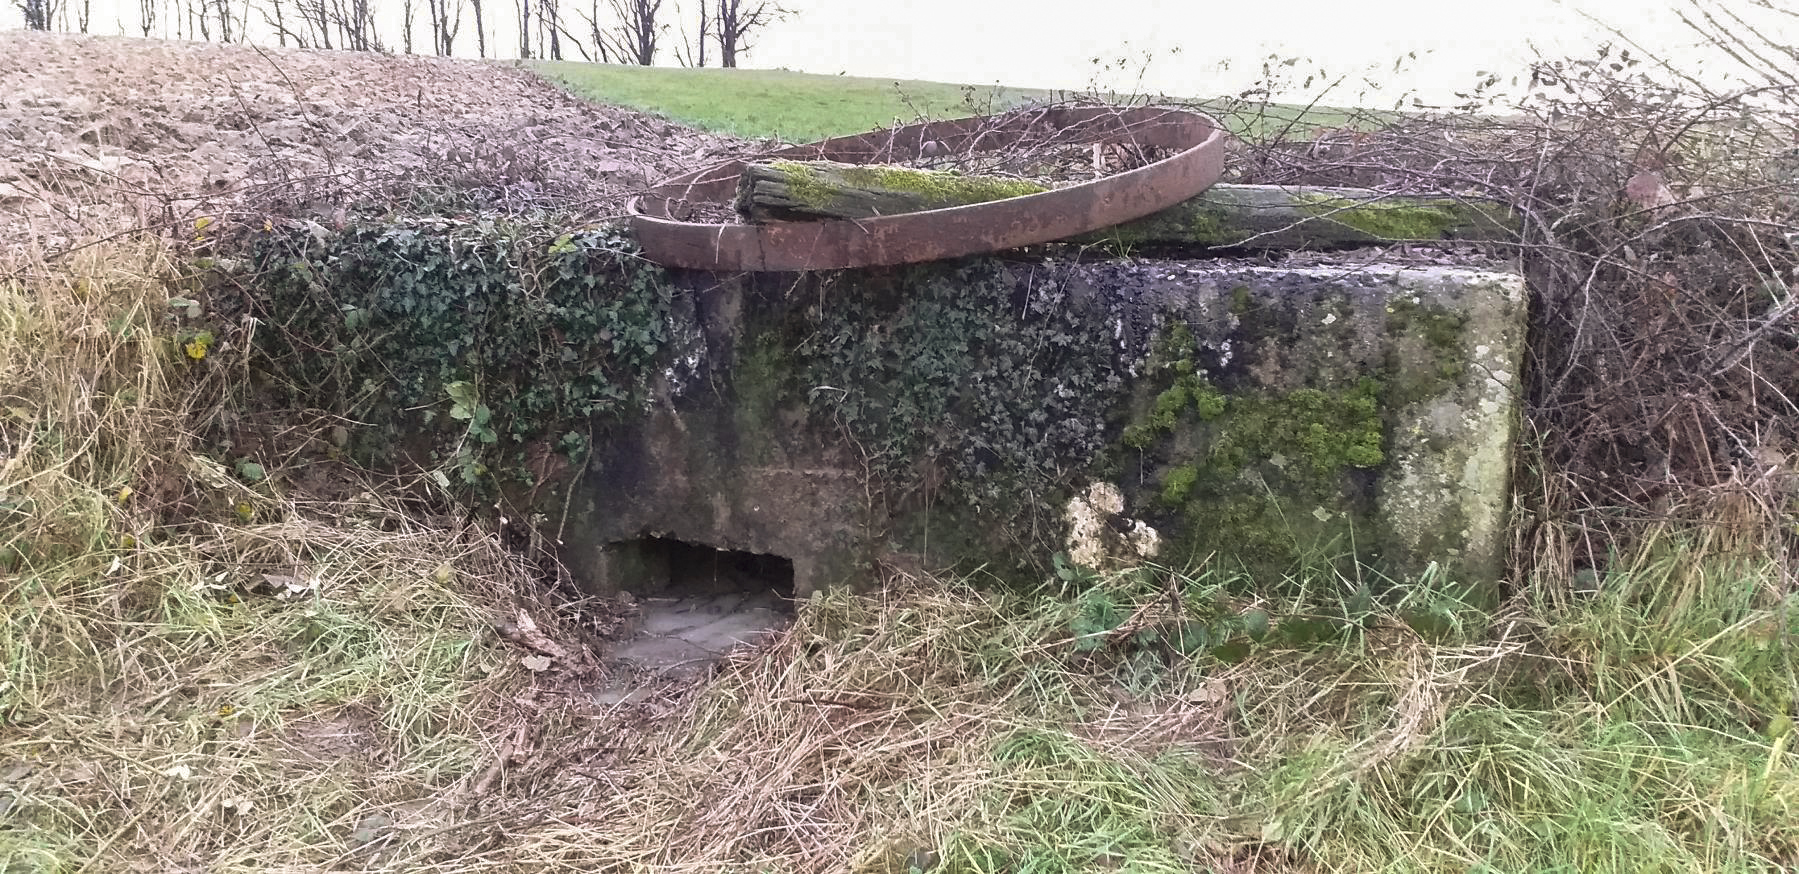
(991, 414)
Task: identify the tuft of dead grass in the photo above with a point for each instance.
(197, 673)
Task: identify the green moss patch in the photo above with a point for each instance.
(1411, 220)
(1262, 478)
(934, 188)
(1427, 350)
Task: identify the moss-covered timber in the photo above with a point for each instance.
(798, 190)
(1279, 217)
(1224, 216)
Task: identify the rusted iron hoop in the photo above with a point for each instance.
(1028, 220)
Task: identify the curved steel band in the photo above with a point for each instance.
(940, 233)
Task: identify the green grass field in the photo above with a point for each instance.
(797, 107)
(802, 107)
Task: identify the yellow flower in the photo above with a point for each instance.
(197, 347)
(125, 494)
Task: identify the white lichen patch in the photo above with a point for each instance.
(1093, 542)
(689, 347)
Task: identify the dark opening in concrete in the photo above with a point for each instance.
(695, 603)
(663, 567)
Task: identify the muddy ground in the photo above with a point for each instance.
(102, 134)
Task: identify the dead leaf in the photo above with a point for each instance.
(210, 472)
(527, 630)
(286, 586)
(1646, 189)
(1213, 691)
(535, 664)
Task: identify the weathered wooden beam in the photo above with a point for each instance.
(801, 190)
(1225, 216)
(1278, 217)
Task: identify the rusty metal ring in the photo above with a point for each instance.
(1027, 220)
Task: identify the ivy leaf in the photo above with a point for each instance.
(1192, 637)
(1255, 623)
(251, 471)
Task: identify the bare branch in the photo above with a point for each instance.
(738, 21)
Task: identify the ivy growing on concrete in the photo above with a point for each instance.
(498, 338)
(1002, 384)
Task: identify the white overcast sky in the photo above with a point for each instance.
(1196, 47)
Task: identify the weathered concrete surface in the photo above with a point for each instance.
(683, 637)
(979, 413)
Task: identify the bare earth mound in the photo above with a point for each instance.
(102, 134)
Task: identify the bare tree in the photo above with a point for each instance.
(316, 16)
(83, 16)
(406, 14)
(692, 52)
(480, 29)
(600, 34)
(146, 16)
(39, 13)
(555, 16)
(524, 28)
(355, 21)
(274, 17)
(738, 21)
(572, 40)
(446, 19)
(222, 9)
(635, 31)
(549, 28)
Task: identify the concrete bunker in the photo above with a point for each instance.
(959, 416)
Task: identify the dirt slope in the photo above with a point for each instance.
(99, 134)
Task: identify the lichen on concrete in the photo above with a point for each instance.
(1445, 494)
(1094, 541)
(1252, 464)
(1345, 394)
